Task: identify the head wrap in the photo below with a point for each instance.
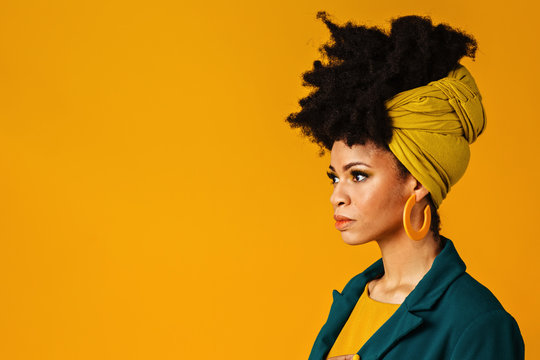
(433, 126)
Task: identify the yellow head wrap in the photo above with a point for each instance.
(433, 126)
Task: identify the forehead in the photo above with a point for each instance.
(369, 153)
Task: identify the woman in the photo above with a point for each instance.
(398, 113)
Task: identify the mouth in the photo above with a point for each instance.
(341, 217)
(343, 224)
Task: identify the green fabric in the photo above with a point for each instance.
(433, 126)
(448, 316)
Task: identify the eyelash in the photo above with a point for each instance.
(354, 173)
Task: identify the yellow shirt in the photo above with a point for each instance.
(366, 318)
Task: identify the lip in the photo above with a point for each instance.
(341, 218)
(343, 224)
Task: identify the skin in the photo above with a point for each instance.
(375, 202)
(342, 357)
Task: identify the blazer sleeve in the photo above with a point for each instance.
(493, 335)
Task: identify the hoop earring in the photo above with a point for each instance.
(415, 234)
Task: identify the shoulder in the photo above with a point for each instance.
(481, 328)
(486, 329)
(475, 303)
(491, 335)
(466, 301)
(478, 311)
(471, 297)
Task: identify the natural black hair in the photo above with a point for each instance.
(362, 67)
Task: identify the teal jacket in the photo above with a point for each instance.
(448, 315)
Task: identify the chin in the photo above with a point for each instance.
(353, 239)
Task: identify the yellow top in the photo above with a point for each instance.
(366, 318)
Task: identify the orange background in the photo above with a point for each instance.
(155, 204)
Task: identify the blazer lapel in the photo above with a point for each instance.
(342, 306)
(446, 267)
(400, 324)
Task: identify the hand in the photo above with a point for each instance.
(342, 357)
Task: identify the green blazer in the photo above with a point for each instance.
(448, 315)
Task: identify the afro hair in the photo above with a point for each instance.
(365, 66)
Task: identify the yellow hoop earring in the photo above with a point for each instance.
(415, 234)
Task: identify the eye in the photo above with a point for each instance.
(359, 175)
(332, 177)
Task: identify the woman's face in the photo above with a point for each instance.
(367, 189)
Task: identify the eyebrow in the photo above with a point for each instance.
(349, 165)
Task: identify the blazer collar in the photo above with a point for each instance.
(446, 267)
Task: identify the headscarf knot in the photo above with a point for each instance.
(433, 126)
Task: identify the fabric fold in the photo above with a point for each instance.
(433, 126)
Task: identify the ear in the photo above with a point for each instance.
(414, 186)
(420, 191)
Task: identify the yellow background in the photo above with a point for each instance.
(155, 205)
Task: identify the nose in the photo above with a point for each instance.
(339, 196)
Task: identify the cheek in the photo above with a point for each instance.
(379, 201)
(373, 196)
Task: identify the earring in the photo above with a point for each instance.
(415, 234)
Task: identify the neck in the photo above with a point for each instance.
(406, 261)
